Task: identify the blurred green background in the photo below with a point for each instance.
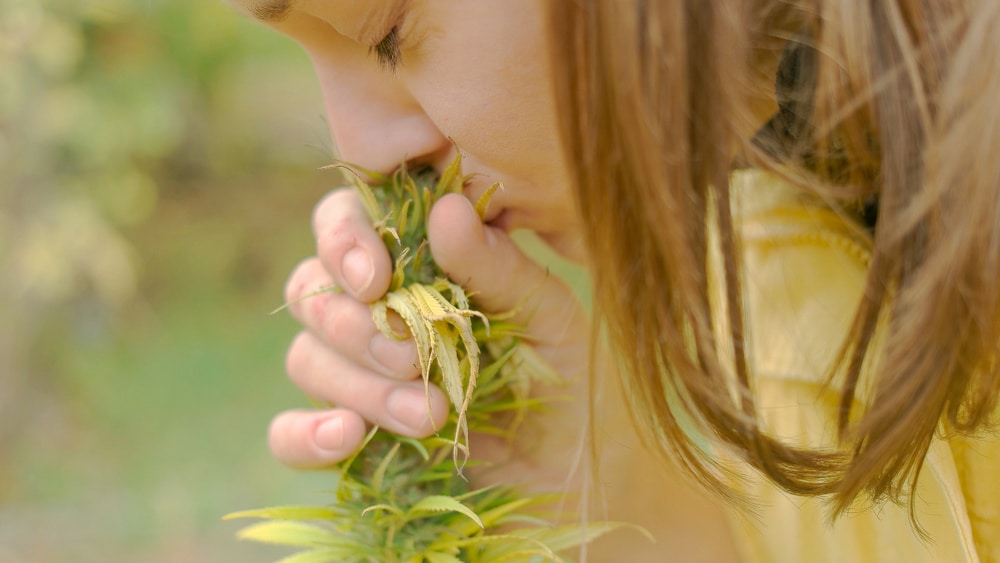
(159, 160)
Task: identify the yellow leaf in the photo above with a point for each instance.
(483, 203)
(368, 199)
(402, 302)
(451, 374)
(451, 175)
(284, 532)
(441, 557)
(431, 304)
(441, 503)
(286, 513)
(385, 507)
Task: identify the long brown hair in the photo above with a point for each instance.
(894, 108)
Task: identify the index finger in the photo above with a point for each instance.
(349, 248)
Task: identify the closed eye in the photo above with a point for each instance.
(387, 51)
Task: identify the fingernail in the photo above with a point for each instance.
(329, 435)
(409, 407)
(358, 269)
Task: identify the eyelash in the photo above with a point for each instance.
(387, 51)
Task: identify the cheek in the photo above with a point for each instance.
(510, 135)
(488, 86)
(505, 131)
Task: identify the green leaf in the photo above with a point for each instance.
(415, 444)
(500, 547)
(440, 557)
(345, 465)
(357, 171)
(488, 491)
(454, 342)
(537, 369)
(441, 503)
(286, 513)
(385, 507)
(368, 199)
(487, 373)
(383, 465)
(404, 216)
(495, 514)
(321, 556)
(435, 442)
(283, 532)
(573, 535)
(530, 555)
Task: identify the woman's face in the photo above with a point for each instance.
(476, 72)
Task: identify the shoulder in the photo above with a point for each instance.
(804, 273)
(804, 269)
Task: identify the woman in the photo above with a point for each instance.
(800, 296)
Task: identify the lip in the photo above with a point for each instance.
(499, 220)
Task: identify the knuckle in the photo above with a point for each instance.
(332, 205)
(334, 214)
(299, 280)
(316, 310)
(338, 321)
(340, 225)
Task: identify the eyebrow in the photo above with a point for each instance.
(270, 10)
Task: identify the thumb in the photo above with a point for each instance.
(489, 264)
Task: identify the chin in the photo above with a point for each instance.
(568, 245)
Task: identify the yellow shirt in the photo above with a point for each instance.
(804, 273)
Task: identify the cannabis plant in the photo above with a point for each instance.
(405, 500)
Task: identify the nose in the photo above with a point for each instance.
(375, 122)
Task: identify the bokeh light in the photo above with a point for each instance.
(159, 160)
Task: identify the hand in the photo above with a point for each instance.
(341, 358)
(550, 453)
